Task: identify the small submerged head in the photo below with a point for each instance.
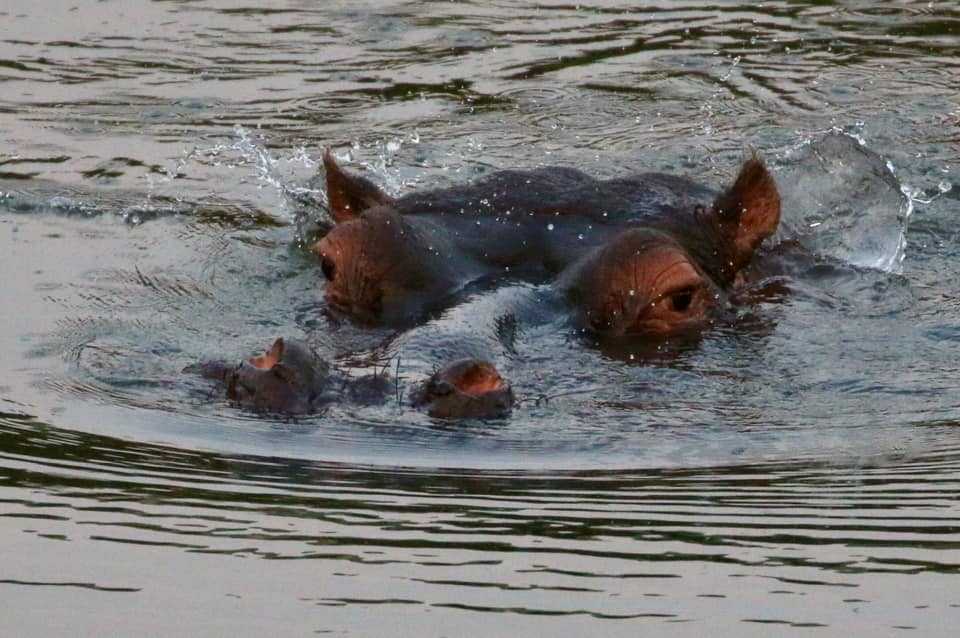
(466, 389)
(287, 378)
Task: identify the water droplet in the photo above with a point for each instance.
(549, 226)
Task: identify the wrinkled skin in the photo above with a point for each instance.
(648, 254)
(290, 378)
(672, 277)
(643, 282)
(467, 388)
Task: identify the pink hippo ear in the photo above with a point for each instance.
(349, 195)
(750, 209)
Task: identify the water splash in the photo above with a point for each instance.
(250, 151)
(385, 152)
(254, 152)
(842, 199)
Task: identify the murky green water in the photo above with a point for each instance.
(796, 471)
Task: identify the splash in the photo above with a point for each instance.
(289, 178)
(268, 173)
(842, 199)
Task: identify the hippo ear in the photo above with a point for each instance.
(349, 195)
(276, 350)
(750, 208)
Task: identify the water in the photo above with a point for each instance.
(795, 470)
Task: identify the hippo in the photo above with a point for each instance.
(648, 254)
(467, 388)
(288, 378)
(672, 275)
(291, 379)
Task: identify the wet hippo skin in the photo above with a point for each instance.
(290, 378)
(644, 254)
(673, 275)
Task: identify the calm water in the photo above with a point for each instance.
(796, 471)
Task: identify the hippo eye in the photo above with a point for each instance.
(328, 267)
(680, 300)
(441, 388)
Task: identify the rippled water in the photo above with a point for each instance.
(797, 467)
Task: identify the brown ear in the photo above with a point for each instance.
(750, 208)
(269, 358)
(349, 195)
(276, 350)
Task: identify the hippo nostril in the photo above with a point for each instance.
(328, 268)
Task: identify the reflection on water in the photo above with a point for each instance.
(796, 466)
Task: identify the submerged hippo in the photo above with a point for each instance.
(290, 378)
(644, 254)
(468, 388)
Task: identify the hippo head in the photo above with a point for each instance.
(379, 266)
(643, 282)
(287, 378)
(672, 278)
(468, 388)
